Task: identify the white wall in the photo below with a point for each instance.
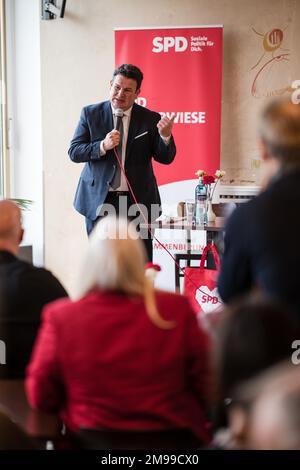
(77, 59)
(24, 108)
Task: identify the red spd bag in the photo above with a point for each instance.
(200, 284)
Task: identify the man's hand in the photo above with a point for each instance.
(165, 126)
(112, 139)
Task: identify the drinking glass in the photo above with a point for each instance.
(189, 210)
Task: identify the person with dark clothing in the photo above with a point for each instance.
(261, 236)
(24, 291)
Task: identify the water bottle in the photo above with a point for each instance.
(200, 215)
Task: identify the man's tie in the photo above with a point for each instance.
(117, 177)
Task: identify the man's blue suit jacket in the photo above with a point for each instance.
(95, 122)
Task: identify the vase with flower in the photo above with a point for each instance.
(210, 182)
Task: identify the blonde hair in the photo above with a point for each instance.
(279, 129)
(115, 261)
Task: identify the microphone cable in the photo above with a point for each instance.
(149, 228)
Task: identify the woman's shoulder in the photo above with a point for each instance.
(89, 301)
(172, 298)
(64, 306)
(176, 307)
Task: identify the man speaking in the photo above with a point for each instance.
(137, 135)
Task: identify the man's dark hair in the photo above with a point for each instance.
(130, 71)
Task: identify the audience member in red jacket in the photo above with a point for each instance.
(122, 356)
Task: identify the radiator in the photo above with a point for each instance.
(234, 194)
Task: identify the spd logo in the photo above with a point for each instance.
(178, 43)
(209, 300)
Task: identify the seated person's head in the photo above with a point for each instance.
(265, 412)
(253, 334)
(115, 258)
(279, 132)
(11, 232)
(115, 261)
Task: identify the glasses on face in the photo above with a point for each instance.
(126, 91)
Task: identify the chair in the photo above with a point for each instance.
(187, 257)
(113, 439)
(12, 436)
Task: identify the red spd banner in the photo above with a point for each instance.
(182, 70)
(182, 74)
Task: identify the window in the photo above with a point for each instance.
(3, 156)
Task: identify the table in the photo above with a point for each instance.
(214, 232)
(211, 228)
(36, 424)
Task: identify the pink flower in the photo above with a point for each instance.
(200, 173)
(219, 174)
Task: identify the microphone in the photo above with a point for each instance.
(119, 114)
